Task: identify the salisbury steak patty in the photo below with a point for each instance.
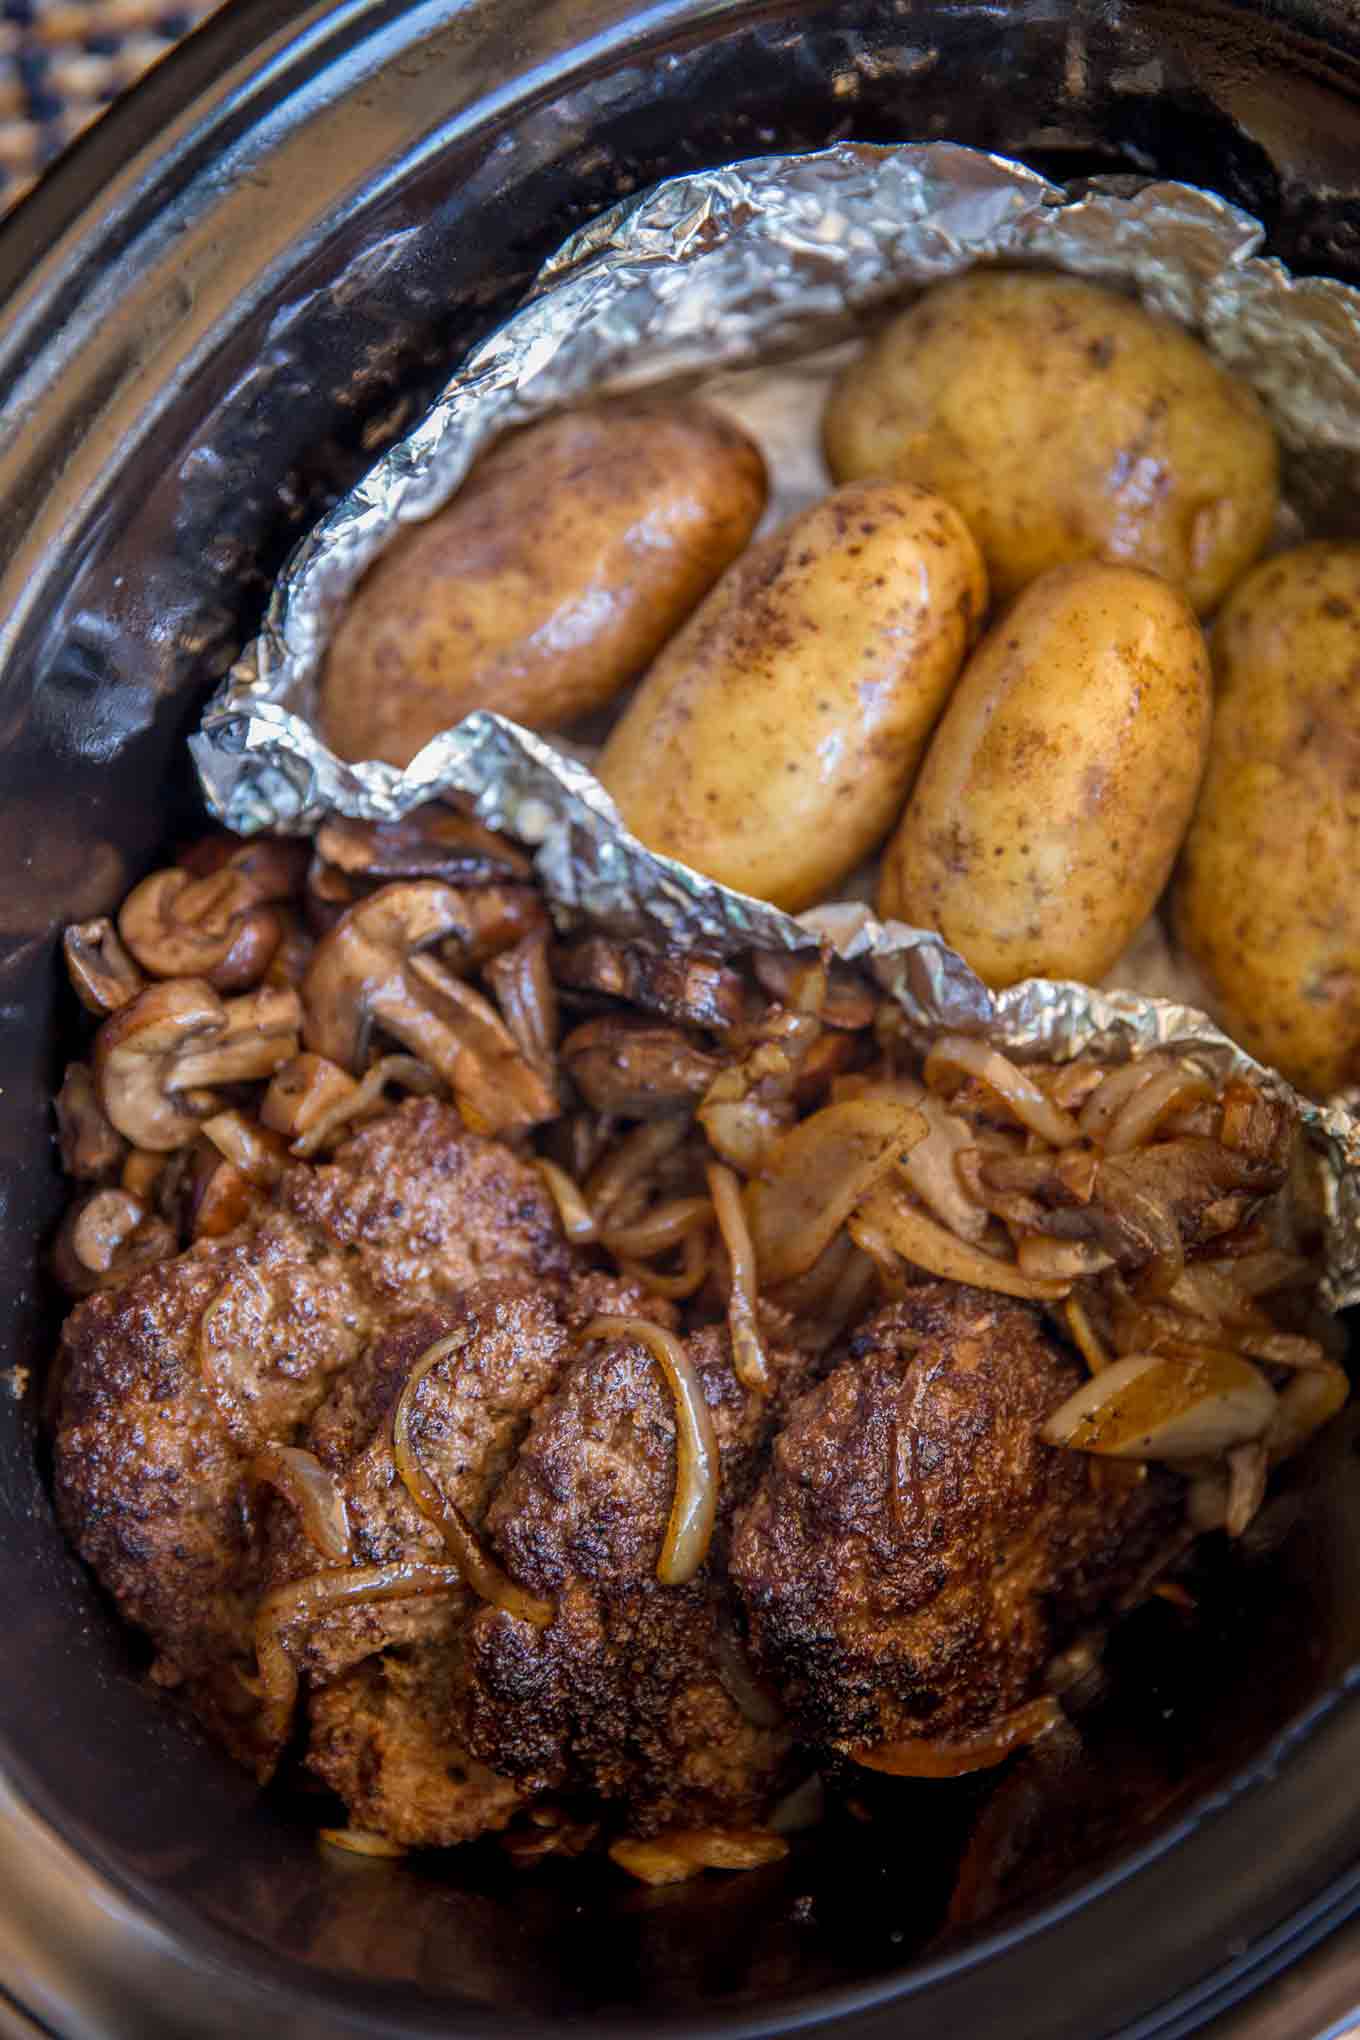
(176, 1379)
(903, 1555)
(630, 1690)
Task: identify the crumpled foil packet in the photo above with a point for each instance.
(773, 261)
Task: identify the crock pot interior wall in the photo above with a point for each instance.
(137, 607)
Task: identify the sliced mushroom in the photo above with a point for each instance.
(637, 1068)
(302, 1093)
(691, 989)
(433, 841)
(104, 976)
(257, 1151)
(216, 926)
(497, 917)
(91, 1146)
(142, 1171)
(368, 973)
(850, 1001)
(527, 996)
(173, 1039)
(107, 1237)
(218, 1195)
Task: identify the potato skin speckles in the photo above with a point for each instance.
(1061, 780)
(773, 742)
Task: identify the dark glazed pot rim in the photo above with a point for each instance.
(171, 157)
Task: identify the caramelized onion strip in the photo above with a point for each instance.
(1165, 1093)
(478, 1568)
(689, 1277)
(818, 1174)
(925, 1757)
(960, 1054)
(305, 1484)
(360, 1842)
(660, 1230)
(635, 1157)
(912, 1233)
(320, 1594)
(573, 1212)
(695, 1506)
(1104, 1105)
(748, 1348)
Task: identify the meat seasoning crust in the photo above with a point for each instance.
(909, 1557)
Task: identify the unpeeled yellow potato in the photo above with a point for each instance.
(773, 741)
(1061, 779)
(562, 565)
(1267, 899)
(1063, 421)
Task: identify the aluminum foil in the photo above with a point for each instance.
(740, 280)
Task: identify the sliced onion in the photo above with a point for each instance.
(1107, 1101)
(741, 1129)
(406, 1070)
(662, 1228)
(748, 1348)
(304, 1483)
(689, 1277)
(959, 1053)
(925, 1757)
(1306, 1403)
(1165, 1093)
(910, 1232)
(673, 1857)
(1083, 1335)
(694, 1508)
(320, 1594)
(478, 1568)
(1247, 1465)
(361, 1842)
(572, 1210)
(818, 1174)
(1061, 1260)
(1206, 1290)
(1186, 1405)
(637, 1156)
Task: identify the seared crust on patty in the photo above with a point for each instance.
(903, 1557)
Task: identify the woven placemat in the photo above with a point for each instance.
(62, 61)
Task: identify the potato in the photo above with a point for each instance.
(556, 573)
(773, 741)
(1266, 898)
(1061, 779)
(1063, 421)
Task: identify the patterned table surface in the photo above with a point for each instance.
(62, 61)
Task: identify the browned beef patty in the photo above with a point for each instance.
(913, 1550)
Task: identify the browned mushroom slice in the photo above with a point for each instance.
(691, 989)
(104, 976)
(302, 1092)
(91, 1146)
(176, 1038)
(218, 926)
(433, 841)
(368, 973)
(106, 1237)
(498, 917)
(527, 996)
(850, 1001)
(639, 1069)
